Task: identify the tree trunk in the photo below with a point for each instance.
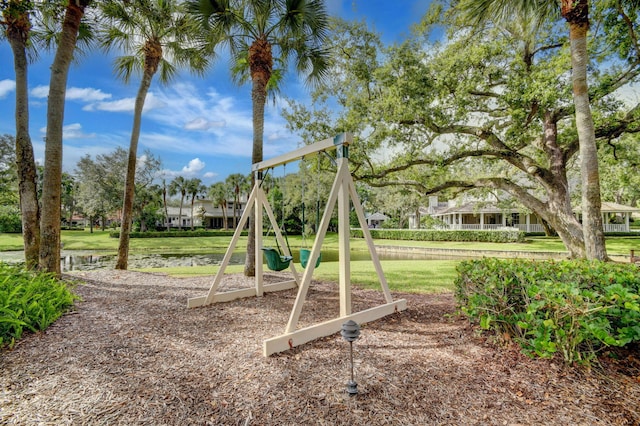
(192, 201)
(261, 66)
(26, 167)
(180, 214)
(223, 206)
(564, 221)
(591, 202)
(52, 180)
(164, 201)
(258, 96)
(130, 180)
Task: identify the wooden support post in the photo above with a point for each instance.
(367, 236)
(257, 226)
(322, 231)
(344, 267)
(208, 299)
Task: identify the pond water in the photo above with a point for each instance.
(87, 260)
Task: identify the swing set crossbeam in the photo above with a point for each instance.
(307, 151)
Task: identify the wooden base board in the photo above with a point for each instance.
(327, 328)
(239, 294)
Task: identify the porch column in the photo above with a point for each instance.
(481, 220)
(459, 221)
(528, 221)
(504, 219)
(626, 221)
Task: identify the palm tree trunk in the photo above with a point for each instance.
(52, 180)
(591, 201)
(180, 214)
(192, 201)
(130, 181)
(164, 201)
(223, 206)
(258, 97)
(26, 166)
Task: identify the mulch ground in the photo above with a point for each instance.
(131, 353)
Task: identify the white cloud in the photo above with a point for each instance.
(274, 136)
(72, 131)
(40, 91)
(201, 123)
(629, 94)
(6, 87)
(86, 94)
(192, 110)
(83, 94)
(193, 167)
(126, 104)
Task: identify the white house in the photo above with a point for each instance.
(477, 215)
(205, 214)
(374, 220)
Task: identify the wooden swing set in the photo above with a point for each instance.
(342, 190)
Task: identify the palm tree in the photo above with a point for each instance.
(256, 32)
(179, 186)
(164, 203)
(149, 31)
(576, 13)
(237, 183)
(218, 194)
(194, 188)
(52, 179)
(17, 29)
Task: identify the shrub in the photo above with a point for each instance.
(10, 220)
(29, 301)
(573, 308)
(501, 236)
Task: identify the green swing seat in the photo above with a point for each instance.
(275, 261)
(304, 258)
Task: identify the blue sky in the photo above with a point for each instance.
(198, 127)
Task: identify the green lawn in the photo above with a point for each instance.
(429, 276)
(100, 240)
(413, 276)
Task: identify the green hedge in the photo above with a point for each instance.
(572, 308)
(502, 236)
(170, 234)
(10, 220)
(29, 301)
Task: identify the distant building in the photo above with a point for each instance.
(476, 215)
(205, 214)
(374, 220)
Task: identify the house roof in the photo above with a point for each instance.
(473, 208)
(468, 208)
(377, 216)
(609, 207)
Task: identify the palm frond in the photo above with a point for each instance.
(503, 11)
(126, 66)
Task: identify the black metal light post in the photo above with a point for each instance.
(350, 332)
